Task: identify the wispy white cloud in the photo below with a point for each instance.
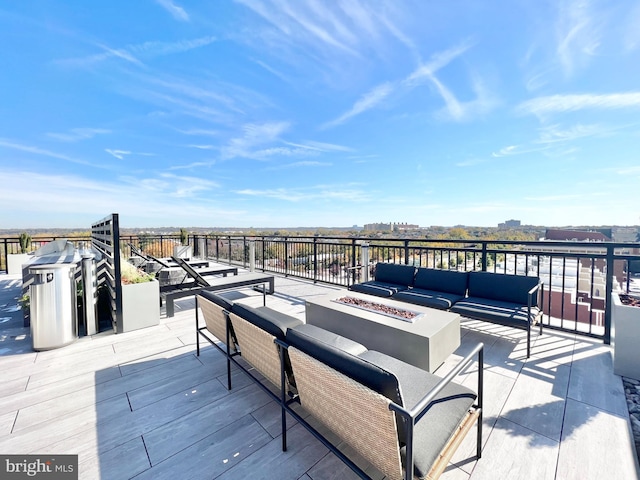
(516, 150)
(76, 134)
(253, 136)
(366, 102)
(176, 11)
(439, 60)
(41, 151)
(50, 200)
(321, 146)
(631, 32)
(342, 193)
(300, 164)
(454, 109)
(203, 147)
(119, 154)
(201, 131)
(568, 103)
(577, 33)
(555, 133)
(469, 163)
(186, 186)
(138, 52)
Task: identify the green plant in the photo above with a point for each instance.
(25, 302)
(25, 242)
(184, 237)
(130, 274)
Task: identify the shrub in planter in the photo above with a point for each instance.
(184, 250)
(140, 299)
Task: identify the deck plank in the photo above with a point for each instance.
(594, 445)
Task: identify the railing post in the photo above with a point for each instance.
(286, 257)
(406, 252)
(364, 248)
(315, 259)
(252, 255)
(608, 294)
(161, 247)
(6, 252)
(353, 261)
(483, 260)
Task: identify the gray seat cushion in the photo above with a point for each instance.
(435, 428)
(354, 367)
(217, 299)
(505, 313)
(428, 298)
(329, 338)
(446, 281)
(378, 289)
(269, 320)
(395, 273)
(506, 288)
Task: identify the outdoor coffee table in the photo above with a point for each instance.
(425, 343)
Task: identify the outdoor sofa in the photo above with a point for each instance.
(405, 421)
(511, 300)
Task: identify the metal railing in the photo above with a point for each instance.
(579, 277)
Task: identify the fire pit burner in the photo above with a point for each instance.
(398, 313)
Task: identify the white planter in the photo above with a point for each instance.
(15, 262)
(625, 338)
(140, 306)
(183, 251)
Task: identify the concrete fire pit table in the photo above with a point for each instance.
(425, 342)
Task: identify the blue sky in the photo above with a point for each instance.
(319, 113)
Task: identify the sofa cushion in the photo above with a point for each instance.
(269, 320)
(448, 281)
(505, 313)
(329, 338)
(217, 299)
(378, 289)
(434, 429)
(395, 274)
(354, 367)
(496, 286)
(428, 298)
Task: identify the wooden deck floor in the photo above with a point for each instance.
(142, 405)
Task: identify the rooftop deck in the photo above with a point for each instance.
(143, 405)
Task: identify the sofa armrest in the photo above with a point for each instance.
(420, 409)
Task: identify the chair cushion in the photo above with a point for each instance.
(395, 274)
(505, 313)
(378, 289)
(506, 288)
(329, 338)
(354, 367)
(428, 298)
(448, 281)
(435, 428)
(269, 320)
(217, 299)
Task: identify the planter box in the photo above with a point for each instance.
(140, 306)
(625, 338)
(183, 251)
(15, 262)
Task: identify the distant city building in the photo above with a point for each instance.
(509, 224)
(390, 227)
(576, 235)
(624, 234)
(377, 227)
